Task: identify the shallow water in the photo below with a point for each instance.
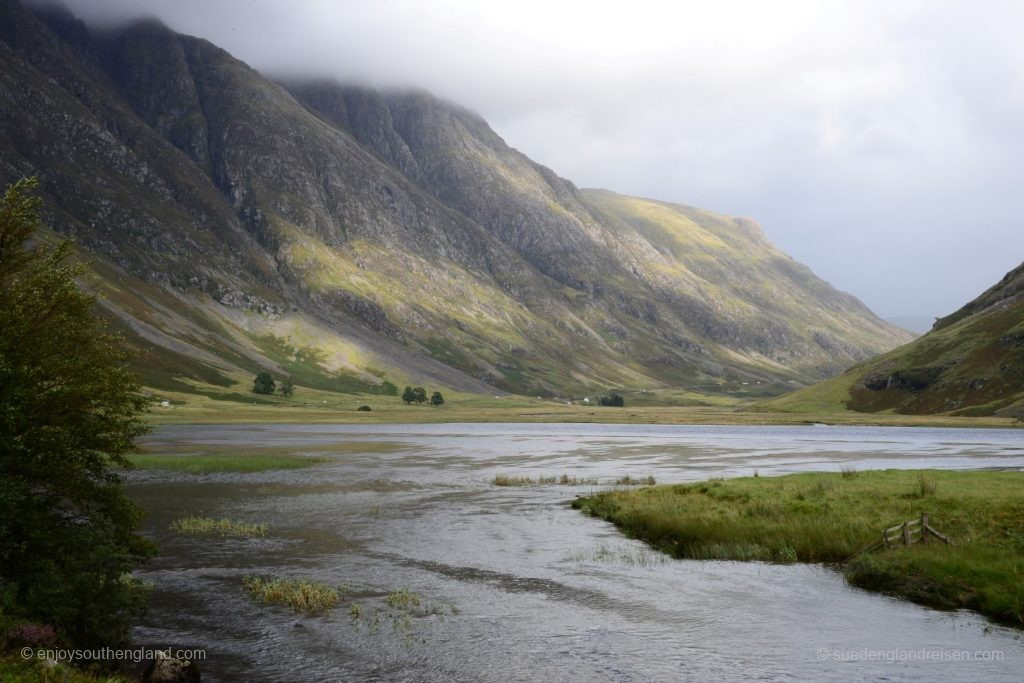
(523, 587)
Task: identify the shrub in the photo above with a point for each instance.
(364, 409)
(27, 634)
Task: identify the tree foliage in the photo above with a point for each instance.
(69, 414)
(287, 387)
(264, 383)
(436, 399)
(418, 395)
(612, 399)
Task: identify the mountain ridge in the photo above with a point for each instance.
(970, 363)
(349, 236)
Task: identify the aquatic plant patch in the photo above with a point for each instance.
(302, 595)
(207, 526)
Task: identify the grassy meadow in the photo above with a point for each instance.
(310, 405)
(832, 517)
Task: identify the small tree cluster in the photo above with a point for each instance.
(612, 399)
(265, 384)
(418, 395)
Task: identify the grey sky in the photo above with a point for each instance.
(880, 143)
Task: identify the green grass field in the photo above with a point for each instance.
(314, 406)
(830, 517)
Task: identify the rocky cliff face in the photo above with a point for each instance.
(970, 363)
(345, 236)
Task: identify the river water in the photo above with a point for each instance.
(522, 587)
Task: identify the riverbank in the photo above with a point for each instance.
(324, 407)
(830, 517)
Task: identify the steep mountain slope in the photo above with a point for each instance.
(349, 237)
(971, 363)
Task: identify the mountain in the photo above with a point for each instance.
(971, 363)
(351, 238)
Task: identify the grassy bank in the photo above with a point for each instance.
(826, 517)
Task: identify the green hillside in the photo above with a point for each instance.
(970, 363)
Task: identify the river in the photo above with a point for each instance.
(521, 586)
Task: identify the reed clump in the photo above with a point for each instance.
(302, 595)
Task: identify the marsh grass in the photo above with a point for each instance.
(412, 603)
(926, 486)
(825, 517)
(635, 481)
(509, 480)
(565, 480)
(207, 526)
(848, 472)
(403, 599)
(622, 555)
(302, 595)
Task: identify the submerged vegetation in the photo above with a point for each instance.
(225, 462)
(401, 605)
(212, 459)
(635, 481)
(207, 526)
(566, 480)
(836, 517)
(624, 555)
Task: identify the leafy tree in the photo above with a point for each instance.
(287, 387)
(69, 414)
(408, 395)
(264, 383)
(612, 399)
(419, 394)
(386, 388)
(436, 399)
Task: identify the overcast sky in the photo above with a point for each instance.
(880, 143)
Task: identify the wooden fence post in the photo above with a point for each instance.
(906, 533)
(924, 527)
